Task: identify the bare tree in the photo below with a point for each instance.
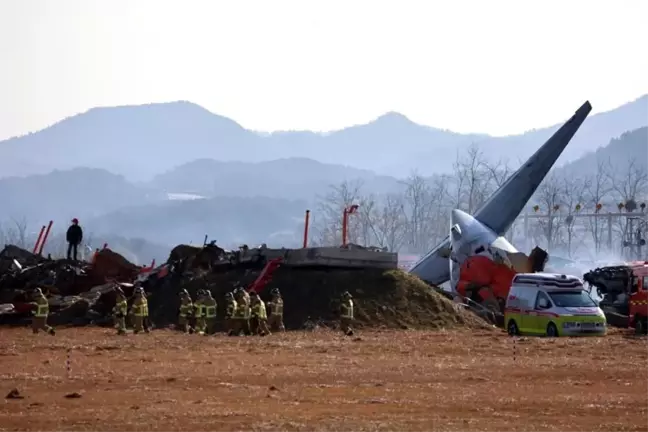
(422, 199)
(498, 172)
(573, 197)
(327, 223)
(361, 220)
(549, 196)
(472, 179)
(16, 233)
(387, 222)
(439, 223)
(630, 184)
(598, 189)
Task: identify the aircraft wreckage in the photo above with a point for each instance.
(481, 236)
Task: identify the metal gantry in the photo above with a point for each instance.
(634, 239)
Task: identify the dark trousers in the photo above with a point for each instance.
(72, 250)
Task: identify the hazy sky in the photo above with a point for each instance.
(485, 66)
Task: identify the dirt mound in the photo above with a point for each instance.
(392, 299)
(111, 265)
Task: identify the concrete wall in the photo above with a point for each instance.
(337, 257)
(328, 256)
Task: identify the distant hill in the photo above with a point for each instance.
(632, 145)
(293, 178)
(229, 220)
(140, 142)
(61, 195)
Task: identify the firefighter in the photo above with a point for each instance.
(259, 315)
(120, 311)
(186, 311)
(39, 320)
(243, 309)
(246, 321)
(239, 321)
(74, 236)
(275, 320)
(210, 306)
(346, 313)
(146, 323)
(199, 307)
(230, 313)
(138, 310)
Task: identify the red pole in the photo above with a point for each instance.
(306, 228)
(345, 216)
(42, 245)
(38, 240)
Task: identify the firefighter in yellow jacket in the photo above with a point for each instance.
(210, 306)
(120, 311)
(259, 315)
(275, 320)
(246, 307)
(138, 310)
(186, 311)
(199, 308)
(239, 320)
(39, 320)
(346, 313)
(146, 322)
(230, 313)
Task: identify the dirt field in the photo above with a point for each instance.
(392, 380)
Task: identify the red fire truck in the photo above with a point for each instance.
(624, 292)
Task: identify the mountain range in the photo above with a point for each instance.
(120, 182)
(140, 142)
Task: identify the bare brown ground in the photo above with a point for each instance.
(391, 380)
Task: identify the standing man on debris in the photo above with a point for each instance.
(275, 320)
(230, 314)
(200, 307)
(138, 310)
(346, 313)
(186, 311)
(74, 236)
(210, 306)
(259, 315)
(39, 321)
(120, 311)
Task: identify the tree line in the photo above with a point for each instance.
(416, 217)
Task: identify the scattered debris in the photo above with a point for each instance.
(14, 394)
(82, 293)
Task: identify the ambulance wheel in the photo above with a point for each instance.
(552, 330)
(512, 328)
(640, 326)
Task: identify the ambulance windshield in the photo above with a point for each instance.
(578, 298)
